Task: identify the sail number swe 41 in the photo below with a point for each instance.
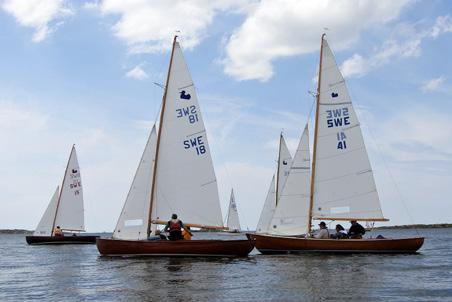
(338, 118)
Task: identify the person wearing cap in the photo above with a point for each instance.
(356, 230)
(174, 226)
(323, 232)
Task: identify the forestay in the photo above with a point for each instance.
(284, 163)
(344, 185)
(268, 209)
(70, 212)
(185, 177)
(45, 225)
(133, 221)
(291, 216)
(233, 222)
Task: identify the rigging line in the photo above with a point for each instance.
(385, 164)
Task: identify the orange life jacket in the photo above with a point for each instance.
(186, 235)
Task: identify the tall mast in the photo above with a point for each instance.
(158, 137)
(277, 168)
(314, 154)
(62, 186)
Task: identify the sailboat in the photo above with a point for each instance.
(341, 186)
(175, 175)
(64, 210)
(232, 220)
(284, 163)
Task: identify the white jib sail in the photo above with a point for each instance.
(284, 163)
(70, 212)
(233, 222)
(44, 227)
(291, 213)
(185, 177)
(133, 221)
(344, 185)
(268, 209)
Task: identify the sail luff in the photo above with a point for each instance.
(277, 169)
(62, 186)
(158, 137)
(316, 129)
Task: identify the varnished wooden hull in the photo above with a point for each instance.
(113, 247)
(61, 240)
(268, 244)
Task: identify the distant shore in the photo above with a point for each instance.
(416, 226)
(393, 227)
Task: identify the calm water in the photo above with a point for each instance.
(78, 273)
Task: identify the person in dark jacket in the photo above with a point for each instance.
(356, 230)
(174, 226)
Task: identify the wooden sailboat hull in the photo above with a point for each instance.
(34, 240)
(267, 244)
(113, 247)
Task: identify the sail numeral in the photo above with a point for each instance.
(341, 143)
(196, 143)
(337, 117)
(190, 112)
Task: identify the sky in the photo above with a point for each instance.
(83, 73)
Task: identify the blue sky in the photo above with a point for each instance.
(82, 72)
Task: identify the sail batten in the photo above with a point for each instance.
(343, 186)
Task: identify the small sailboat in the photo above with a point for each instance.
(341, 186)
(65, 211)
(274, 192)
(175, 175)
(232, 220)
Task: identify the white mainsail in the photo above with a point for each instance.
(70, 212)
(284, 163)
(133, 221)
(233, 222)
(268, 209)
(45, 225)
(291, 216)
(344, 186)
(184, 178)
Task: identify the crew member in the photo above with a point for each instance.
(174, 226)
(356, 230)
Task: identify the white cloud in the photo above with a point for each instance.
(282, 28)
(137, 73)
(406, 43)
(148, 26)
(433, 84)
(38, 14)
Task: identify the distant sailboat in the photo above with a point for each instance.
(342, 185)
(175, 175)
(232, 220)
(64, 210)
(276, 186)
